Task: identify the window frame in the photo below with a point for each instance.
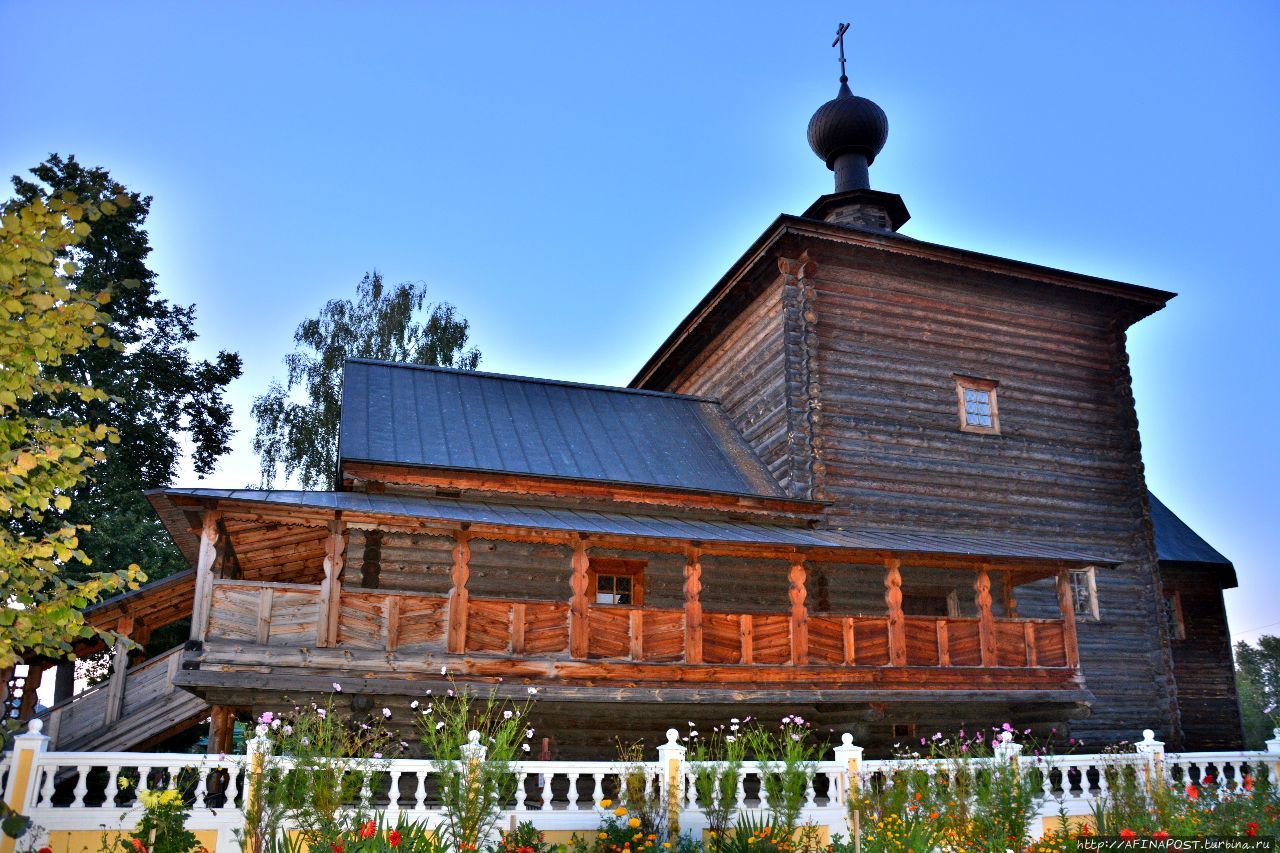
(1093, 612)
(974, 383)
(598, 567)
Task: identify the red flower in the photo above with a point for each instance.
(1127, 835)
(1208, 780)
(525, 849)
(337, 848)
(1251, 830)
(369, 829)
(1192, 792)
(1248, 783)
(1160, 836)
(45, 850)
(137, 845)
(393, 838)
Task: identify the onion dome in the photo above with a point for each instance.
(848, 124)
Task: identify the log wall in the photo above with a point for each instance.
(874, 340)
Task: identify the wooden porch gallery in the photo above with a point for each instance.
(393, 602)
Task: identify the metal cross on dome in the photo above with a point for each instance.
(840, 31)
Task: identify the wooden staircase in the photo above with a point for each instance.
(125, 714)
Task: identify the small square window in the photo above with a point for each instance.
(977, 404)
(1084, 594)
(616, 582)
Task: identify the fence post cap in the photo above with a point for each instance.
(35, 726)
(473, 736)
(1273, 745)
(846, 739)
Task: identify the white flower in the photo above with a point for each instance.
(377, 755)
(730, 738)
(937, 735)
(733, 719)
(321, 713)
(528, 733)
(450, 692)
(440, 725)
(692, 733)
(524, 747)
(691, 724)
(262, 730)
(506, 715)
(288, 730)
(337, 688)
(444, 670)
(533, 691)
(306, 741)
(275, 724)
(414, 704)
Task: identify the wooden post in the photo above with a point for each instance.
(266, 597)
(579, 628)
(391, 621)
(693, 607)
(222, 722)
(1067, 605)
(1029, 640)
(944, 644)
(986, 622)
(635, 629)
(205, 563)
(850, 642)
(518, 616)
(30, 684)
(1010, 603)
(119, 672)
(330, 603)
(747, 637)
(458, 603)
(799, 614)
(897, 625)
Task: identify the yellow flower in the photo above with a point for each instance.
(634, 823)
(666, 845)
(619, 811)
(603, 835)
(604, 804)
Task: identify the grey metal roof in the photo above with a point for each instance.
(1178, 543)
(650, 525)
(459, 419)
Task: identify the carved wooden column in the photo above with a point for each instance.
(799, 613)
(579, 612)
(335, 551)
(1066, 604)
(457, 642)
(222, 723)
(897, 624)
(693, 607)
(206, 561)
(30, 684)
(986, 622)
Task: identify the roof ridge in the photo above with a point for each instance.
(643, 392)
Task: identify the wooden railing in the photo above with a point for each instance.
(410, 623)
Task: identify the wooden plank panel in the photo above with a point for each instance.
(921, 637)
(771, 639)
(294, 618)
(663, 635)
(721, 638)
(360, 620)
(233, 613)
(826, 639)
(609, 632)
(964, 642)
(423, 623)
(1050, 648)
(871, 638)
(488, 626)
(1011, 646)
(546, 629)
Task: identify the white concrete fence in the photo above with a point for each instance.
(72, 797)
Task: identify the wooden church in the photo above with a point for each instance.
(885, 484)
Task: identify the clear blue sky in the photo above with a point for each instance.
(574, 176)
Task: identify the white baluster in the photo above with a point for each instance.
(233, 786)
(764, 793)
(393, 793)
(740, 795)
(810, 798)
(597, 794)
(546, 790)
(82, 786)
(46, 791)
(1104, 784)
(573, 792)
(420, 791)
(521, 779)
(1046, 779)
(113, 786)
(202, 786)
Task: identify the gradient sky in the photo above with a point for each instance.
(575, 176)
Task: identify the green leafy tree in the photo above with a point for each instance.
(47, 319)
(389, 323)
(153, 391)
(1258, 680)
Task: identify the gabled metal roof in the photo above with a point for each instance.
(459, 419)
(1178, 543)
(650, 525)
